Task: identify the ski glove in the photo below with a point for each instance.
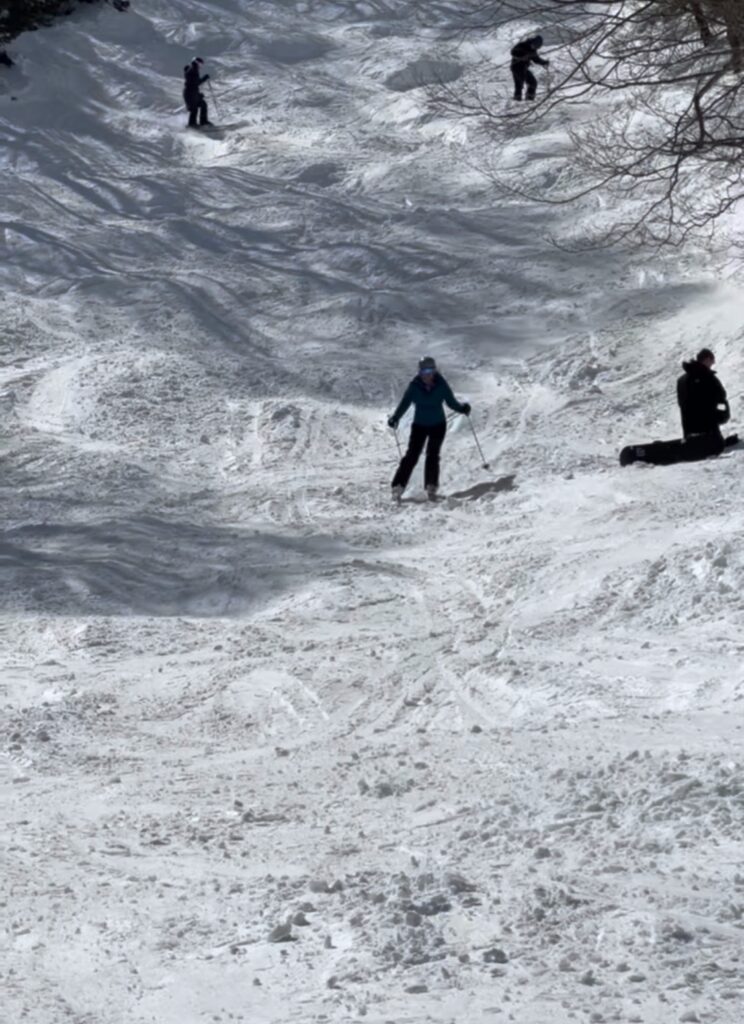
(393, 423)
(466, 408)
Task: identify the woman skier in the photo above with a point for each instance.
(427, 392)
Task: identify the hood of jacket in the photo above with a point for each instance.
(694, 368)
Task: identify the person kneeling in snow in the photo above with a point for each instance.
(702, 399)
(192, 97)
(703, 406)
(522, 55)
(427, 392)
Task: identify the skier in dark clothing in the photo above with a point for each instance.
(427, 392)
(522, 55)
(701, 396)
(192, 97)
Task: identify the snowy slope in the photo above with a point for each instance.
(490, 751)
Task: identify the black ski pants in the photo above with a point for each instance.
(419, 437)
(523, 76)
(666, 453)
(197, 105)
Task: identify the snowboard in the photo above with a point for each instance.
(666, 453)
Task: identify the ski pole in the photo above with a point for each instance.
(483, 458)
(397, 442)
(214, 98)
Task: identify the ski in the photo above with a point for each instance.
(489, 487)
(207, 128)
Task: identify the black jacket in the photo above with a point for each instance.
(525, 53)
(701, 395)
(192, 81)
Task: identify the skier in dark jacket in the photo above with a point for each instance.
(522, 55)
(192, 96)
(427, 392)
(701, 396)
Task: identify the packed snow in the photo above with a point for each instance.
(273, 749)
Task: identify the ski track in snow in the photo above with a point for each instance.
(488, 749)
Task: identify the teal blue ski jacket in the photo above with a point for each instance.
(428, 402)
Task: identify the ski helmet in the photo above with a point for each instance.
(427, 363)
